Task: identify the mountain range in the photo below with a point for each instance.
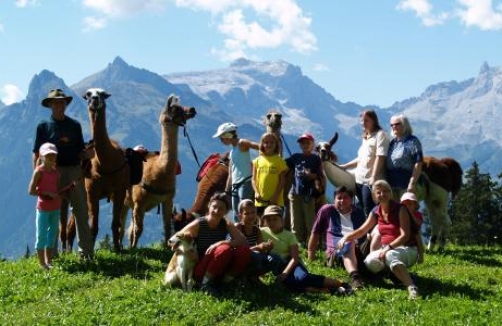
(455, 118)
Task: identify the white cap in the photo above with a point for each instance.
(48, 148)
(140, 148)
(409, 196)
(225, 128)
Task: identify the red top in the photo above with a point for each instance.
(48, 182)
(390, 230)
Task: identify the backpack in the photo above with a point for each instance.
(135, 161)
(212, 160)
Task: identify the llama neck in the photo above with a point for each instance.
(102, 143)
(168, 147)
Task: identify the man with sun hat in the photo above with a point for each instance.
(66, 134)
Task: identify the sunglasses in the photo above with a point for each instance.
(395, 124)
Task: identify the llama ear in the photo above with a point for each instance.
(105, 95)
(317, 148)
(171, 100)
(334, 139)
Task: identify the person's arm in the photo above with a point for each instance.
(417, 170)
(254, 182)
(264, 246)
(191, 228)
(32, 188)
(378, 169)
(35, 159)
(356, 234)
(293, 262)
(245, 145)
(349, 165)
(228, 186)
(312, 246)
(280, 187)
(237, 238)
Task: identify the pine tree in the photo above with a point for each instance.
(27, 254)
(476, 213)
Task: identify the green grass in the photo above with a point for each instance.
(462, 286)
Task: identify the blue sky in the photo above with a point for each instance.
(365, 51)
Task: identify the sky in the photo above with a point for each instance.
(366, 51)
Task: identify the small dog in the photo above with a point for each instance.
(180, 268)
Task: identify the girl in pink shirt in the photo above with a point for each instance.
(45, 184)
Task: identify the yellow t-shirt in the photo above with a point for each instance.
(268, 170)
(282, 241)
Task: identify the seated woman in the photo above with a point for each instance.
(285, 260)
(221, 258)
(399, 246)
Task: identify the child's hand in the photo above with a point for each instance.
(49, 195)
(269, 245)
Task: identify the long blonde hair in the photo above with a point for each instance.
(276, 140)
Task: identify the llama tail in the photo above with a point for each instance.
(456, 174)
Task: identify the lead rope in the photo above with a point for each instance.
(185, 133)
(286, 144)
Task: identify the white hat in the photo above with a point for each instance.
(225, 128)
(140, 148)
(409, 196)
(48, 148)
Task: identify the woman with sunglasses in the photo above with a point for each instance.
(405, 157)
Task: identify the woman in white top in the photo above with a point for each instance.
(370, 161)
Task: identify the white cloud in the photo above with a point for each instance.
(282, 23)
(92, 23)
(424, 10)
(321, 67)
(121, 8)
(10, 94)
(114, 9)
(1, 28)
(26, 3)
(481, 13)
(286, 25)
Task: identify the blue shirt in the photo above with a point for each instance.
(401, 159)
(241, 165)
(298, 162)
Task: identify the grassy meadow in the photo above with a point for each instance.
(462, 286)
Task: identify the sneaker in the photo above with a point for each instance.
(210, 289)
(86, 257)
(344, 290)
(357, 284)
(413, 292)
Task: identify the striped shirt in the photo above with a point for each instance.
(208, 236)
(252, 238)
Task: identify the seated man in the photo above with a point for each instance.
(335, 221)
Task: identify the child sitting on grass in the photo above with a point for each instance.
(285, 259)
(409, 200)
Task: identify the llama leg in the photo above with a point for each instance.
(167, 208)
(137, 226)
(118, 204)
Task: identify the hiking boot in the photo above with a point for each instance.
(344, 290)
(413, 292)
(357, 284)
(210, 289)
